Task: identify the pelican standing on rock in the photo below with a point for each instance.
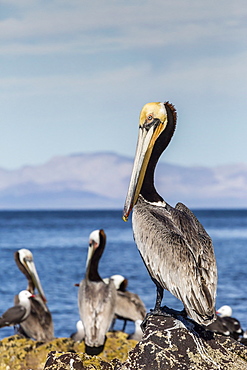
(96, 299)
(39, 324)
(18, 313)
(176, 250)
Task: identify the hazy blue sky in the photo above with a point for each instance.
(74, 75)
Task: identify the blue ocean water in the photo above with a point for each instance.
(59, 241)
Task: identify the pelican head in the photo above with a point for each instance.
(97, 239)
(25, 257)
(120, 282)
(152, 122)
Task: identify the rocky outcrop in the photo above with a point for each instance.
(181, 344)
(168, 343)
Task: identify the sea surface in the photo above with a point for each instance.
(59, 242)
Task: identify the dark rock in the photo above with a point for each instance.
(168, 343)
(77, 361)
(63, 361)
(179, 343)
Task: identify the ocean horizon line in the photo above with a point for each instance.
(111, 209)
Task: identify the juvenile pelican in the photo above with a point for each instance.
(96, 299)
(39, 324)
(177, 251)
(18, 313)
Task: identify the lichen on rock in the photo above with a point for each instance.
(177, 343)
(168, 343)
(18, 353)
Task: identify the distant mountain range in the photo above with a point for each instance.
(100, 180)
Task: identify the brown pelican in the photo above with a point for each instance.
(177, 251)
(96, 299)
(39, 324)
(129, 306)
(19, 312)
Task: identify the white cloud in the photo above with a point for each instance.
(66, 56)
(220, 76)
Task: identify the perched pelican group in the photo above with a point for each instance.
(30, 310)
(38, 325)
(100, 302)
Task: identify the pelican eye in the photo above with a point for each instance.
(150, 122)
(28, 259)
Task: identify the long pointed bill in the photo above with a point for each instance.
(145, 144)
(30, 266)
(94, 241)
(89, 254)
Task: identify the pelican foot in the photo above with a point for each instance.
(162, 311)
(154, 312)
(175, 313)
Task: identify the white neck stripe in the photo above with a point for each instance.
(157, 204)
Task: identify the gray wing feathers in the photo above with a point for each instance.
(178, 253)
(96, 301)
(39, 323)
(204, 255)
(129, 306)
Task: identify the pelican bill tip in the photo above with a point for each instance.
(125, 218)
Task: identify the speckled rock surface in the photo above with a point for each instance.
(167, 343)
(78, 361)
(115, 352)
